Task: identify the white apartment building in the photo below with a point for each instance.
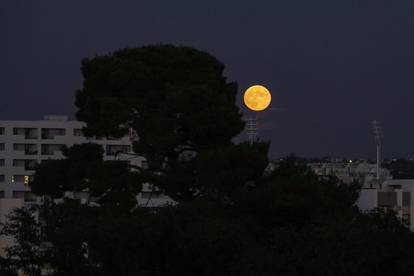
(396, 195)
(25, 143)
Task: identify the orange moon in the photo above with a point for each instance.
(257, 98)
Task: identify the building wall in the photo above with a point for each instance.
(368, 199)
(396, 195)
(16, 161)
(14, 175)
(362, 172)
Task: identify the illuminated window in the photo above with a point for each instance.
(25, 179)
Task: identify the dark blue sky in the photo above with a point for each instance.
(332, 66)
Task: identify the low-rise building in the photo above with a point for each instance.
(348, 172)
(396, 195)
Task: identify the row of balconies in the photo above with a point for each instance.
(17, 178)
(45, 133)
(32, 149)
(50, 149)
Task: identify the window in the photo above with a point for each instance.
(28, 133)
(28, 164)
(77, 132)
(1, 146)
(29, 149)
(18, 194)
(25, 179)
(1, 162)
(1, 130)
(115, 149)
(50, 149)
(29, 197)
(144, 164)
(50, 133)
(18, 163)
(1, 194)
(26, 195)
(1, 177)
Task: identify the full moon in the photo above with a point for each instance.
(257, 98)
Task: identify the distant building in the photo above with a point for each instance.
(348, 172)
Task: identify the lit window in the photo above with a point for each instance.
(26, 180)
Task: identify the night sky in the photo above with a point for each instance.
(332, 66)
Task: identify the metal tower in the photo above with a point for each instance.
(251, 129)
(378, 135)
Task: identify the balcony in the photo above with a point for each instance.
(28, 197)
(112, 150)
(50, 149)
(28, 149)
(28, 133)
(27, 164)
(51, 133)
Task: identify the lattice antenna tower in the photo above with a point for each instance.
(252, 129)
(378, 136)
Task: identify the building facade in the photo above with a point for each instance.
(23, 144)
(348, 172)
(396, 195)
